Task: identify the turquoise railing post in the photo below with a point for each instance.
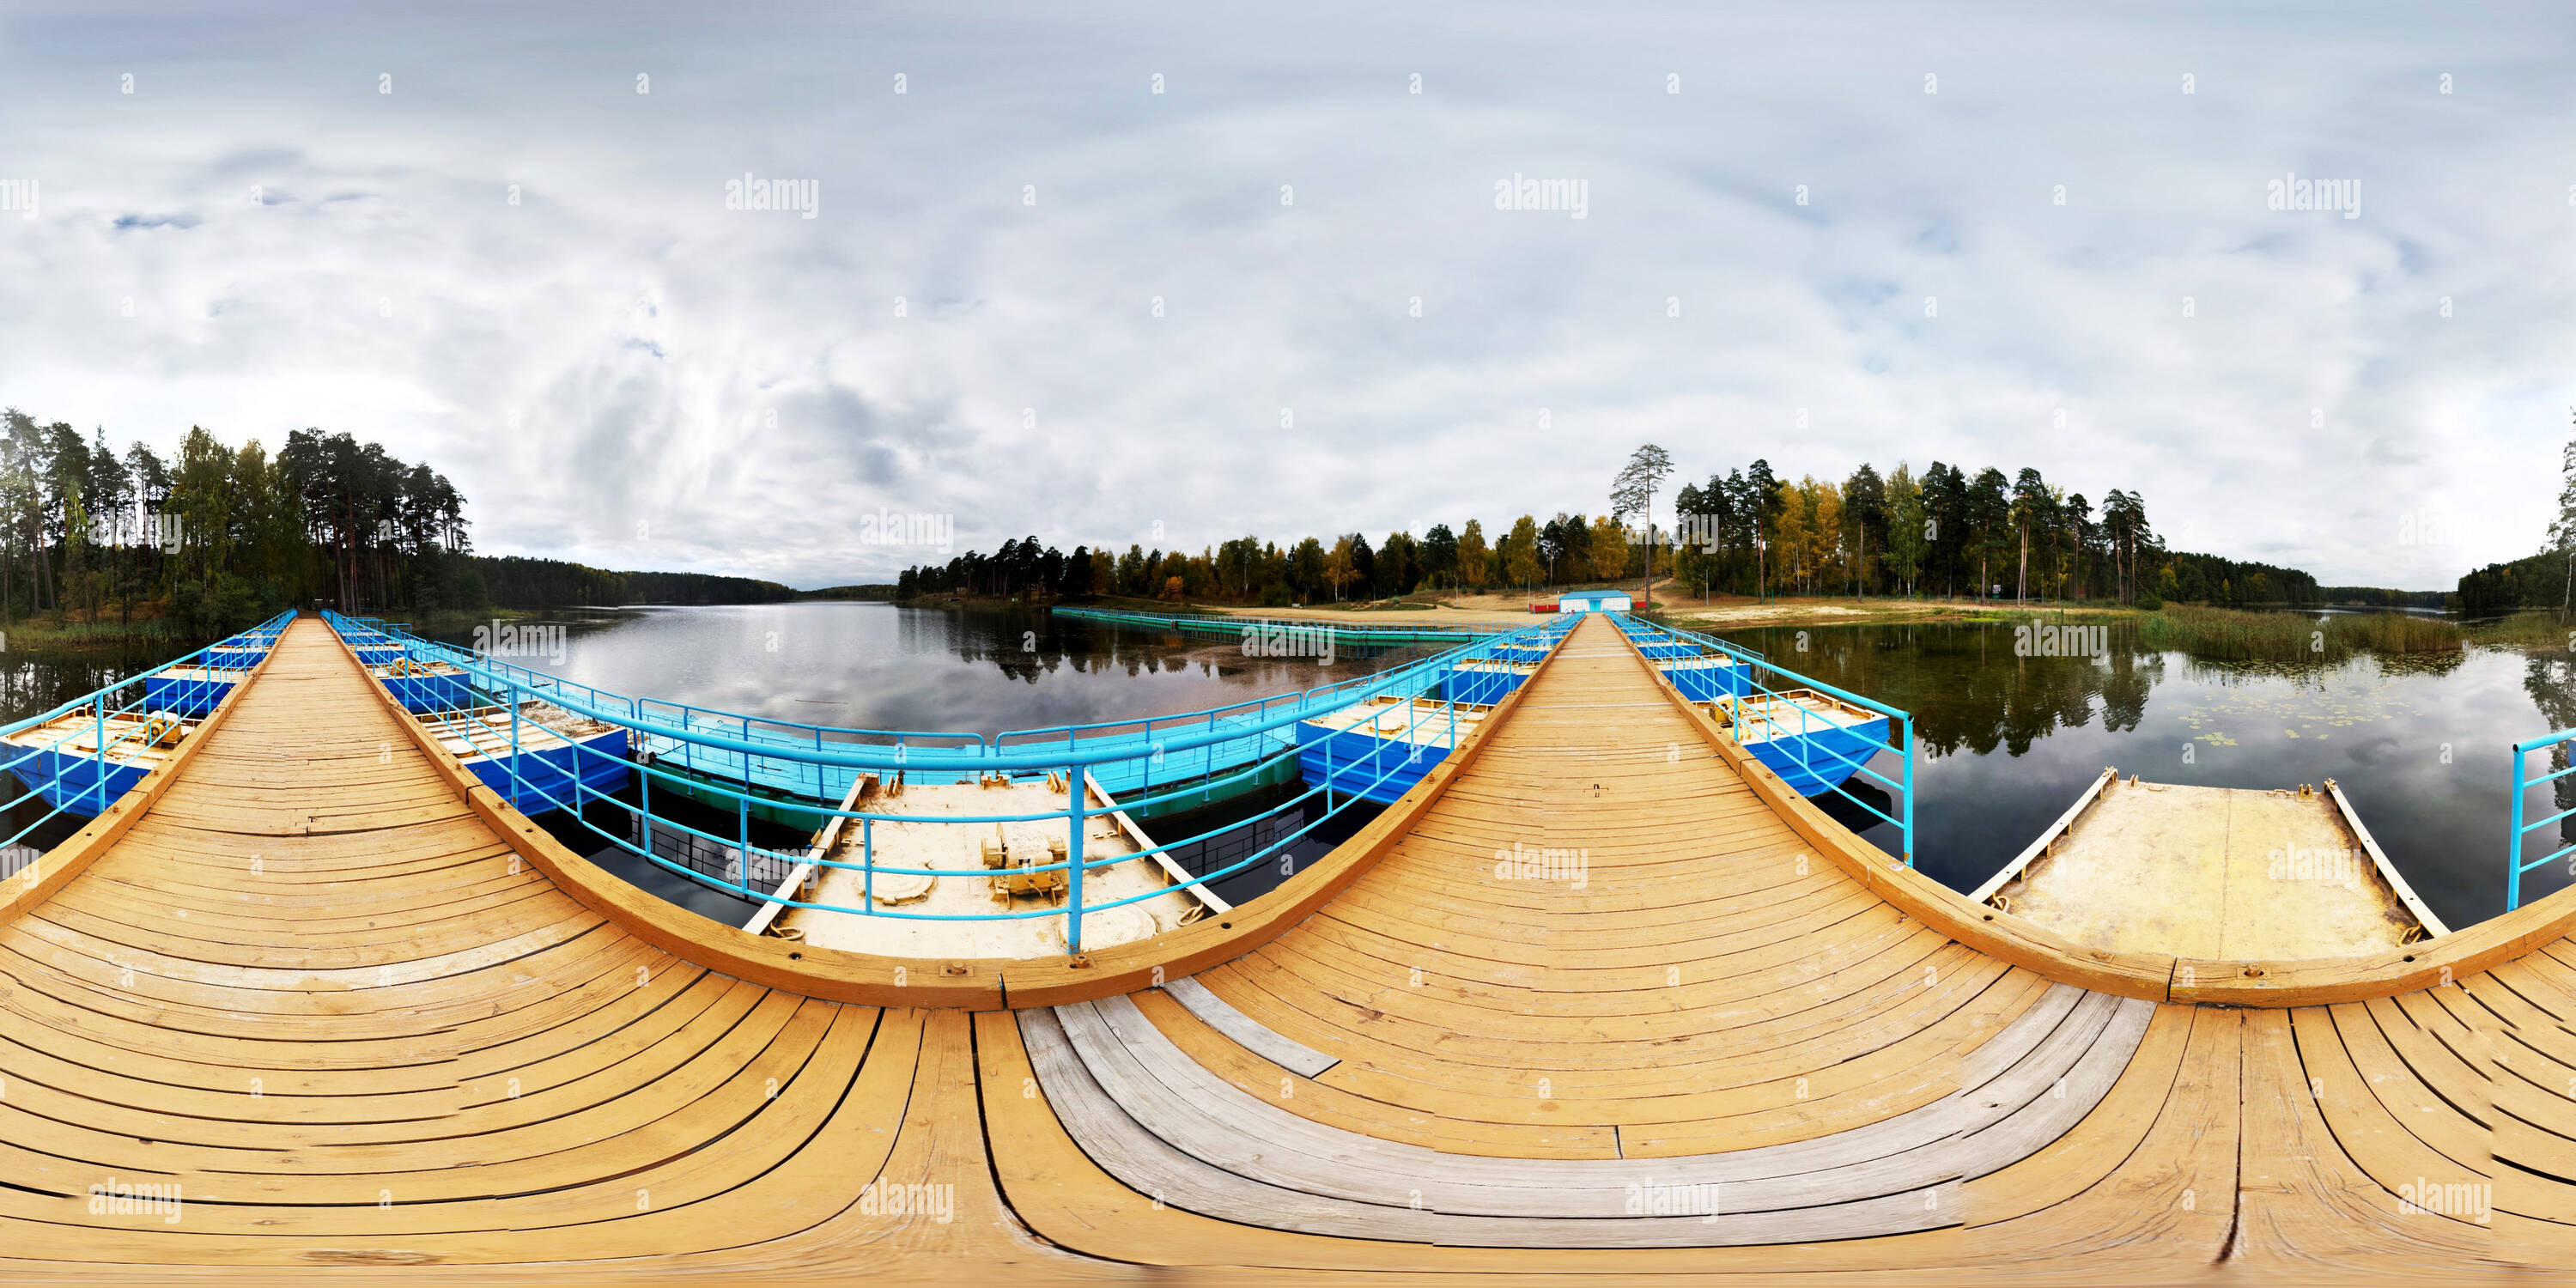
(643, 773)
(572, 775)
(1451, 685)
(1073, 862)
(2513, 840)
(101, 772)
(518, 768)
(742, 852)
(867, 866)
(1909, 791)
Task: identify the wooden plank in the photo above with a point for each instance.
(1144, 1162)
(1067, 1199)
(2433, 927)
(1721, 1000)
(2047, 837)
(1255, 1036)
(1097, 795)
(860, 787)
(1218, 1123)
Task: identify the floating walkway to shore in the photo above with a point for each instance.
(1231, 626)
(1598, 997)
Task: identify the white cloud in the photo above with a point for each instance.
(644, 336)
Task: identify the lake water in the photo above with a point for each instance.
(2422, 747)
(875, 666)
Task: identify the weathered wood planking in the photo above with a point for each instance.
(461, 1058)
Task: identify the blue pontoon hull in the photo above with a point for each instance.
(1484, 688)
(424, 694)
(545, 779)
(1710, 683)
(1820, 759)
(69, 781)
(1356, 762)
(186, 696)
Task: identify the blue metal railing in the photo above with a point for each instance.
(125, 716)
(2514, 842)
(791, 769)
(1798, 741)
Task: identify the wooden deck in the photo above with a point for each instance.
(2228, 872)
(1604, 1004)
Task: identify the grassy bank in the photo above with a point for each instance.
(945, 599)
(2229, 635)
(48, 634)
(2537, 630)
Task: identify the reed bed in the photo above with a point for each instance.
(2228, 635)
(2529, 630)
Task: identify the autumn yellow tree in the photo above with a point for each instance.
(1789, 537)
(1609, 549)
(1520, 552)
(1824, 533)
(1337, 566)
(1475, 562)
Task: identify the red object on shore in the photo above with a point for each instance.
(1547, 606)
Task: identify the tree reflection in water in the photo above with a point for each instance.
(2008, 741)
(2551, 682)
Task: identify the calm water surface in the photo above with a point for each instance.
(875, 666)
(2421, 746)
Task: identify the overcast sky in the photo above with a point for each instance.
(2006, 210)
